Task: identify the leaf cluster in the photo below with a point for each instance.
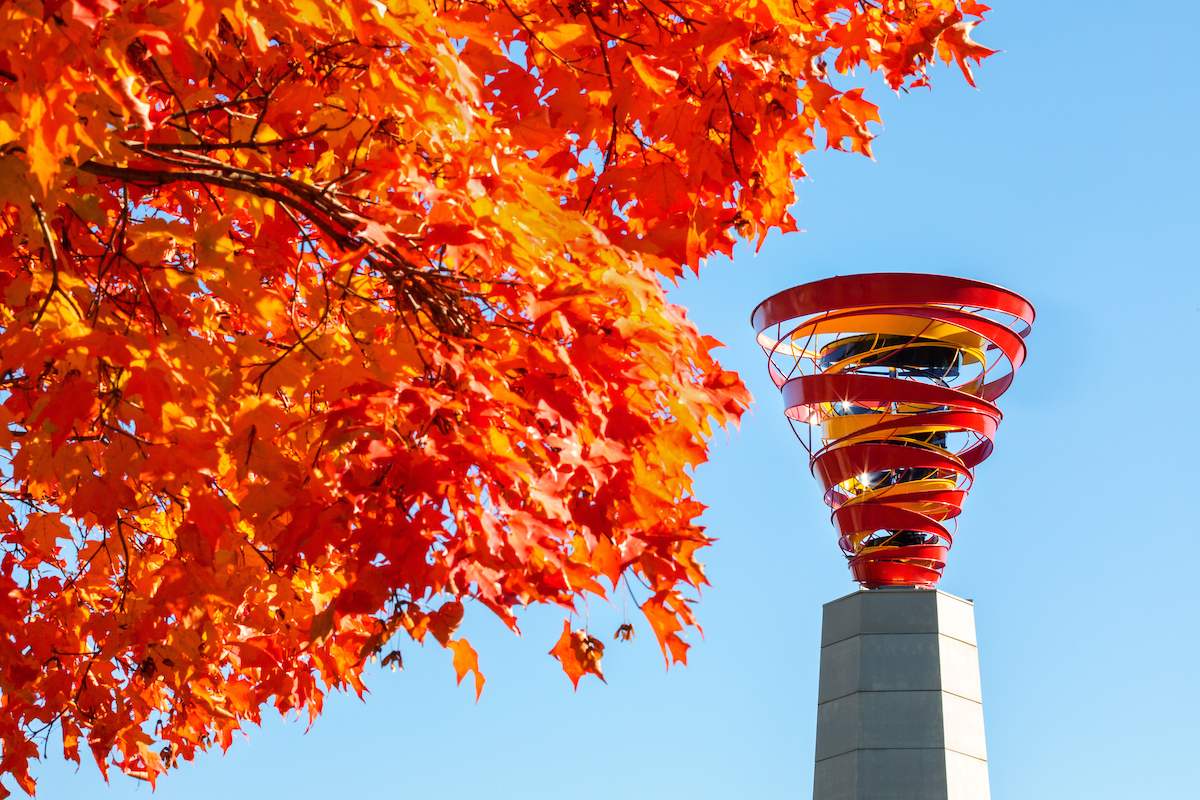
(323, 322)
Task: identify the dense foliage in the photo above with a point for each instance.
(323, 317)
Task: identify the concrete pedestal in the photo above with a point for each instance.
(900, 712)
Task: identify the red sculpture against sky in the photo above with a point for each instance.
(900, 372)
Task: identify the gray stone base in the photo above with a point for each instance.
(900, 712)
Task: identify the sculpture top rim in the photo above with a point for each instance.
(890, 288)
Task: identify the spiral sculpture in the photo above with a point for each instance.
(900, 373)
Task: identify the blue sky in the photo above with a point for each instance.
(1070, 176)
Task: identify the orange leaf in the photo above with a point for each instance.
(445, 621)
(466, 660)
(578, 653)
(665, 624)
(957, 39)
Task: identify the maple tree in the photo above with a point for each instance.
(320, 318)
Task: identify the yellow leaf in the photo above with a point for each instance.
(40, 151)
(563, 36)
(7, 132)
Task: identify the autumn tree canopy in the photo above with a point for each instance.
(326, 320)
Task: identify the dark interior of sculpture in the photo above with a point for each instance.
(903, 357)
